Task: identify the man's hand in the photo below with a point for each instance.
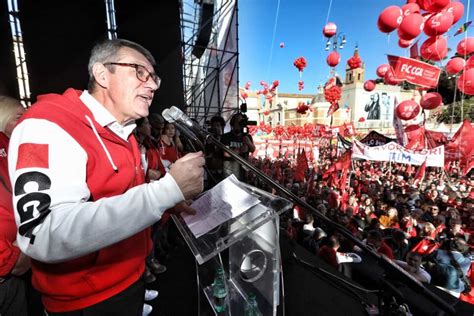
(188, 173)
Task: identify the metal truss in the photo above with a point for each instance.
(206, 92)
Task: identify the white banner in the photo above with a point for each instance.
(396, 153)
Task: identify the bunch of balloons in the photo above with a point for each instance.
(432, 17)
(354, 62)
(300, 63)
(302, 108)
(300, 85)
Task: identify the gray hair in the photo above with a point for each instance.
(106, 51)
(8, 108)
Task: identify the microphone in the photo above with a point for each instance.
(176, 115)
(168, 115)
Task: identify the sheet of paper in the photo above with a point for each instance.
(224, 201)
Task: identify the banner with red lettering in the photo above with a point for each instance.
(414, 71)
(397, 153)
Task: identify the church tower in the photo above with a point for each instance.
(355, 75)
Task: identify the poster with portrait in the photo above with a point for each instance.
(374, 109)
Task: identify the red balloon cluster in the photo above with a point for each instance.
(407, 110)
(302, 108)
(369, 85)
(268, 92)
(332, 90)
(465, 68)
(410, 21)
(300, 85)
(333, 59)
(300, 63)
(434, 48)
(330, 30)
(333, 94)
(354, 62)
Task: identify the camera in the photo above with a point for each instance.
(244, 121)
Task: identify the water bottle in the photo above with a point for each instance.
(251, 308)
(219, 291)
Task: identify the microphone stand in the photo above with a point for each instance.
(385, 262)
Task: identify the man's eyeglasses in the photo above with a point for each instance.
(142, 73)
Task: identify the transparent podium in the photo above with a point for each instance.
(251, 275)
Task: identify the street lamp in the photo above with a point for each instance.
(338, 41)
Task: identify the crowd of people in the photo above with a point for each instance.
(426, 227)
(89, 180)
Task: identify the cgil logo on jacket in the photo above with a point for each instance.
(3, 153)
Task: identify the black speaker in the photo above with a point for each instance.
(205, 29)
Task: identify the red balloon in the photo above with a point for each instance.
(407, 110)
(455, 65)
(369, 85)
(403, 43)
(434, 48)
(433, 5)
(390, 19)
(333, 59)
(466, 82)
(390, 79)
(411, 26)
(330, 30)
(466, 46)
(469, 63)
(431, 100)
(438, 23)
(410, 8)
(457, 10)
(381, 70)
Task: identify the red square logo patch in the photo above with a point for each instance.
(32, 156)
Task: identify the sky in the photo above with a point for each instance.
(299, 25)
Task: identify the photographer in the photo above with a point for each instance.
(240, 142)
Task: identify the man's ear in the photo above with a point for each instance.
(101, 75)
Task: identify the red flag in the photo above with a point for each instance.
(420, 173)
(461, 146)
(346, 164)
(301, 166)
(468, 166)
(416, 137)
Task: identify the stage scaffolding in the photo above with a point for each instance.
(210, 80)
